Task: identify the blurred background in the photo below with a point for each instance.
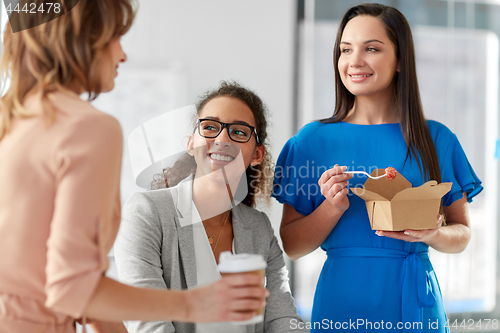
(282, 49)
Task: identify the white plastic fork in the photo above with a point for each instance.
(365, 173)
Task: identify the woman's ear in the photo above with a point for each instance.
(258, 155)
(190, 145)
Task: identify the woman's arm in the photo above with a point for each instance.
(451, 238)
(229, 299)
(139, 249)
(303, 234)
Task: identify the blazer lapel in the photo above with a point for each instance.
(243, 236)
(185, 231)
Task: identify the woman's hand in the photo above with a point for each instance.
(425, 235)
(302, 234)
(453, 238)
(333, 184)
(232, 298)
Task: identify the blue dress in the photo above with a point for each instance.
(368, 282)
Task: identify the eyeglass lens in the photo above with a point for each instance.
(237, 132)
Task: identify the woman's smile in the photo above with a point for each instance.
(221, 159)
(359, 77)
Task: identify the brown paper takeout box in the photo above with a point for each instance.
(395, 205)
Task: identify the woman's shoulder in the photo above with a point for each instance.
(308, 135)
(441, 134)
(245, 209)
(71, 110)
(151, 209)
(312, 128)
(150, 198)
(437, 127)
(77, 122)
(252, 216)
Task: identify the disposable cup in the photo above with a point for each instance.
(243, 263)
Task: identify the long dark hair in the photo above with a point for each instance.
(412, 120)
(259, 177)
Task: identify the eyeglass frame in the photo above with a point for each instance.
(226, 126)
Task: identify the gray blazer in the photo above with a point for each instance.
(154, 249)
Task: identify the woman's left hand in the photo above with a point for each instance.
(424, 235)
(451, 239)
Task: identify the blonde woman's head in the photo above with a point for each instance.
(78, 51)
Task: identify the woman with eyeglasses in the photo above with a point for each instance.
(60, 162)
(172, 238)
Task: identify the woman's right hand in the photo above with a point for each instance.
(302, 234)
(232, 298)
(333, 185)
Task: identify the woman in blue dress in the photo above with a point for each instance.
(373, 280)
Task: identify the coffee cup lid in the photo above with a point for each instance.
(242, 262)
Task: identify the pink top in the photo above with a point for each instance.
(59, 213)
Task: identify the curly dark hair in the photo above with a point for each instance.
(259, 177)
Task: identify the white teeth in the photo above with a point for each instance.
(360, 75)
(221, 157)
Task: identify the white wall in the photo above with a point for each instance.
(249, 41)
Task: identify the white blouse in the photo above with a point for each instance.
(207, 273)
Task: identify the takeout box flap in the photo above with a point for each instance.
(384, 187)
(428, 191)
(380, 214)
(396, 205)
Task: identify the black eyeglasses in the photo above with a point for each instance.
(210, 128)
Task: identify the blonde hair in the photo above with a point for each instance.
(57, 54)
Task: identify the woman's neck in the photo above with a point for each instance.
(373, 110)
(213, 198)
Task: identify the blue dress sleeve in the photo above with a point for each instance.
(456, 169)
(291, 183)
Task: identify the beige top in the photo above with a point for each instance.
(59, 213)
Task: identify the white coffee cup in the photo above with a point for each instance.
(243, 263)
